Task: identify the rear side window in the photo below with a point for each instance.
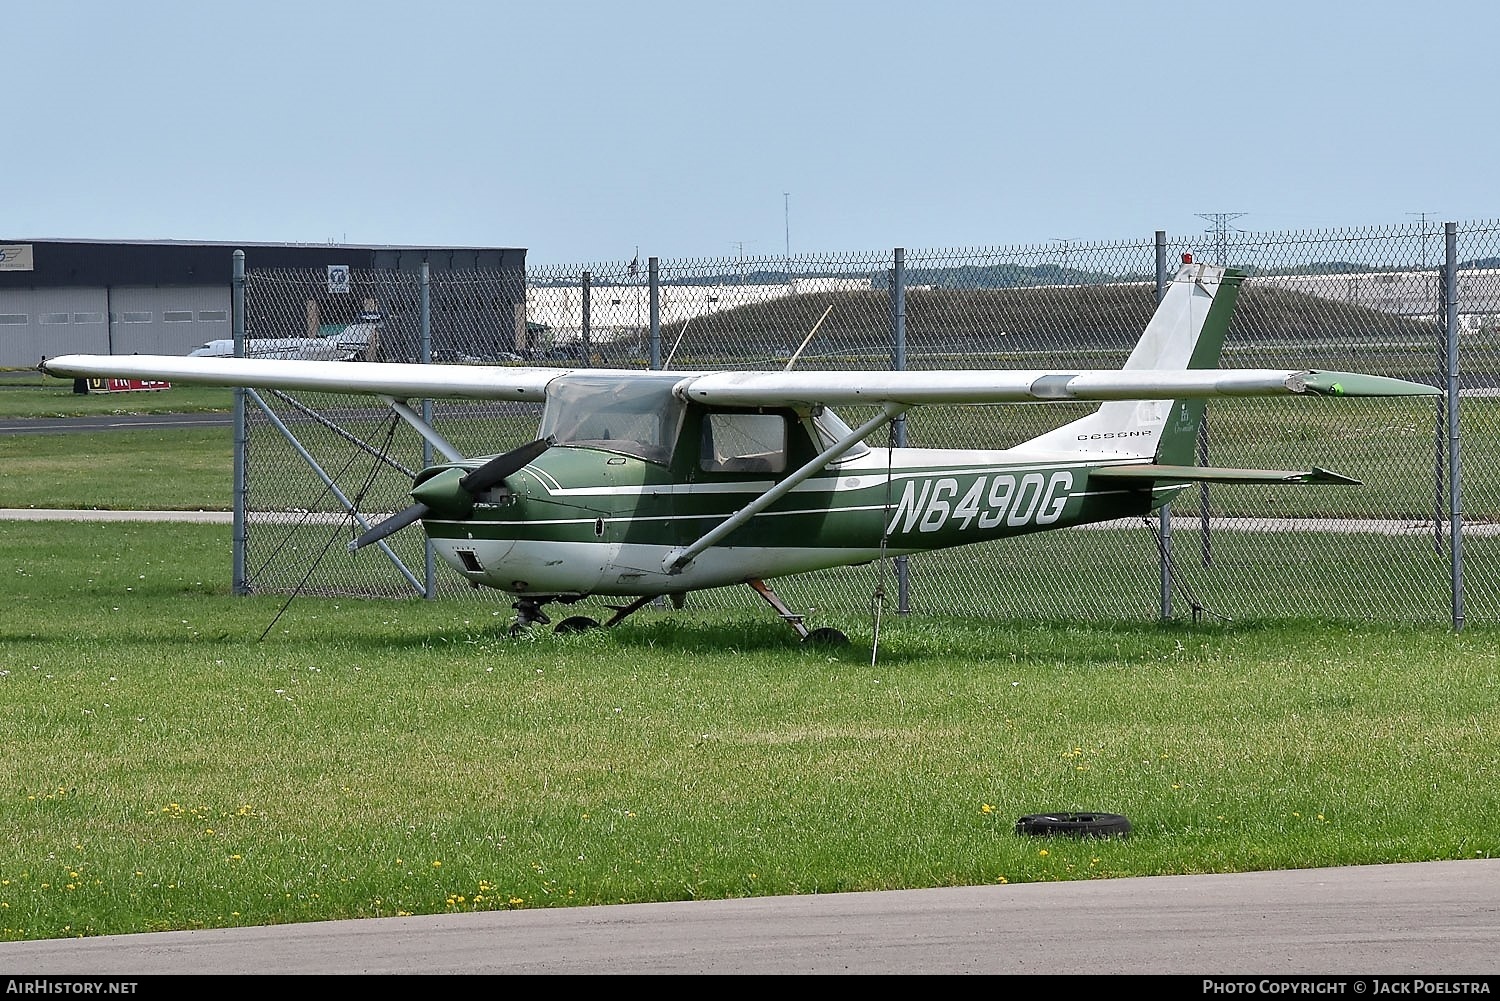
(744, 443)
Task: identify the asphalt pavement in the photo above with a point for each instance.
(1405, 924)
(112, 422)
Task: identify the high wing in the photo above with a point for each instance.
(1176, 358)
(392, 379)
(738, 389)
(747, 389)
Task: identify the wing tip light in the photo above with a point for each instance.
(1356, 384)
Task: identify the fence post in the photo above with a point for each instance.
(898, 364)
(429, 568)
(1455, 479)
(1204, 513)
(1163, 513)
(583, 333)
(1440, 416)
(653, 266)
(237, 305)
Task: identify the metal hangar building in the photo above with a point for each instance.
(168, 296)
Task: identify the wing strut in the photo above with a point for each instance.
(424, 429)
(680, 556)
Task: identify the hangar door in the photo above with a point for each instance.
(44, 323)
(167, 319)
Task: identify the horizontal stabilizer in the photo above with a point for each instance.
(1212, 474)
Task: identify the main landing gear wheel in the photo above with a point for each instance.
(576, 624)
(1075, 825)
(826, 636)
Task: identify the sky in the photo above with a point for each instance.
(591, 132)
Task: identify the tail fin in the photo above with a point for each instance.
(1186, 331)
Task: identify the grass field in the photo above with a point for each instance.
(167, 768)
(179, 757)
(31, 394)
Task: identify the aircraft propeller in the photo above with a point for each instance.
(452, 492)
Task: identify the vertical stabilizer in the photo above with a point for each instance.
(1186, 331)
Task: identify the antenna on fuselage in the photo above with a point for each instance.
(798, 353)
(680, 334)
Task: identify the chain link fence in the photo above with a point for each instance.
(1374, 300)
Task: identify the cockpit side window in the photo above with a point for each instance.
(639, 416)
(744, 443)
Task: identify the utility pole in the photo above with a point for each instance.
(786, 214)
(1221, 221)
(1422, 237)
(1065, 245)
(786, 211)
(739, 259)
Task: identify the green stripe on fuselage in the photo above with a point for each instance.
(583, 495)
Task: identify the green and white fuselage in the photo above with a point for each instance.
(582, 520)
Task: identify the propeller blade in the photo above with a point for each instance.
(439, 491)
(501, 466)
(391, 525)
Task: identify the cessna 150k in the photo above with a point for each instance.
(642, 484)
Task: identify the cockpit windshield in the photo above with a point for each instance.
(831, 429)
(638, 416)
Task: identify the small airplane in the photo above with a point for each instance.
(345, 344)
(646, 483)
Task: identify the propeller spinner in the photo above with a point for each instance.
(452, 492)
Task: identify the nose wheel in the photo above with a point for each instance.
(528, 613)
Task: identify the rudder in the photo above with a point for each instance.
(1187, 330)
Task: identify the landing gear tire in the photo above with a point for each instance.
(1075, 825)
(826, 636)
(528, 613)
(576, 624)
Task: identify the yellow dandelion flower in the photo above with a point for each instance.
(1043, 853)
(986, 808)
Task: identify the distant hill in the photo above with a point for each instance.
(1001, 276)
(993, 325)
